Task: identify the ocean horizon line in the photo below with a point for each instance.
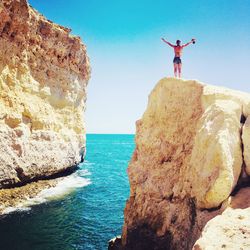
(109, 134)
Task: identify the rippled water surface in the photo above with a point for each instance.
(85, 218)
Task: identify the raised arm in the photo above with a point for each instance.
(167, 42)
(192, 41)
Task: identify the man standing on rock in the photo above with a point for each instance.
(177, 52)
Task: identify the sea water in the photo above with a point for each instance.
(83, 212)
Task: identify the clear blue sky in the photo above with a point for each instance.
(128, 58)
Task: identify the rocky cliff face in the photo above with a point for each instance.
(43, 76)
(192, 152)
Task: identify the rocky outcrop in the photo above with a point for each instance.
(231, 229)
(191, 155)
(43, 76)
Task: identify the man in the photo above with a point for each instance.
(177, 52)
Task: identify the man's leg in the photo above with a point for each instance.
(179, 69)
(175, 69)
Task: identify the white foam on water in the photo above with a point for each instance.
(9, 210)
(88, 163)
(65, 186)
(83, 172)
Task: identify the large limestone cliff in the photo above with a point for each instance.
(192, 153)
(43, 76)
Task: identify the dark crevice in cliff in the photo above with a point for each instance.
(26, 180)
(144, 237)
(242, 119)
(212, 209)
(242, 122)
(244, 179)
(173, 219)
(170, 197)
(193, 213)
(20, 174)
(243, 182)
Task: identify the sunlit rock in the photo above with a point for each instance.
(187, 162)
(43, 76)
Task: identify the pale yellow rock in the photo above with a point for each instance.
(216, 158)
(231, 229)
(43, 77)
(188, 157)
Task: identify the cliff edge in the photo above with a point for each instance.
(43, 77)
(191, 161)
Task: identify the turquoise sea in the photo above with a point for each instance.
(85, 218)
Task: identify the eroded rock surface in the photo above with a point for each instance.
(188, 159)
(43, 76)
(231, 229)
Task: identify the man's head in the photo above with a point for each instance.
(178, 42)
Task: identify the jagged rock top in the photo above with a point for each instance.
(23, 26)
